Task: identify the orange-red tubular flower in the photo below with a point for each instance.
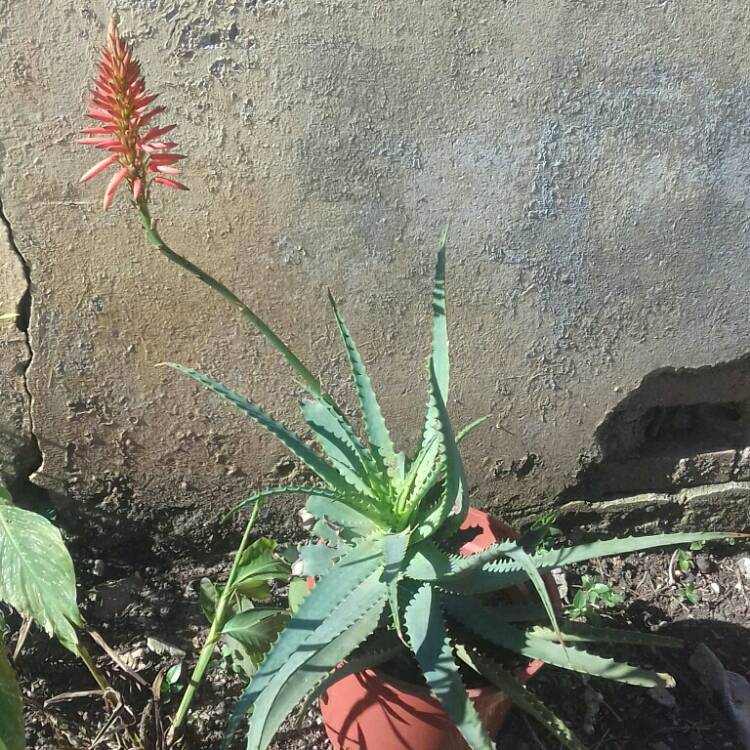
(120, 107)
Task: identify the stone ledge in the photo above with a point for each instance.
(709, 507)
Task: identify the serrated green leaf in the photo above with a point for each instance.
(37, 577)
(428, 639)
(318, 608)
(334, 639)
(395, 547)
(352, 523)
(378, 437)
(379, 649)
(482, 621)
(521, 697)
(317, 559)
(340, 450)
(256, 629)
(257, 567)
(578, 632)
(292, 441)
(11, 706)
(502, 574)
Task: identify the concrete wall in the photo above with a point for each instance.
(592, 158)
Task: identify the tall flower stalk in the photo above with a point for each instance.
(142, 158)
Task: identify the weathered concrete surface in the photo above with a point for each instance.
(591, 156)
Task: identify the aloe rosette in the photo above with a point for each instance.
(385, 554)
(385, 550)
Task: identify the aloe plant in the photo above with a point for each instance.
(385, 553)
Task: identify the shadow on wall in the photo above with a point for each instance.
(679, 428)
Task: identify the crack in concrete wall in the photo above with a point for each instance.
(34, 458)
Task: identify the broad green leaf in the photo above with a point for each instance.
(318, 608)
(207, 598)
(37, 577)
(523, 698)
(337, 446)
(431, 645)
(256, 629)
(11, 706)
(482, 621)
(378, 436)
(334, 639)
(293, 442)
(258, 566)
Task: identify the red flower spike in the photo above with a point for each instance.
(119, 104)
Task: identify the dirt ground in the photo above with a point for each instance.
(128, 605)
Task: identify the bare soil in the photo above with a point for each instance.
(128, 604)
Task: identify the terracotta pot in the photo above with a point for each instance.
(372, 711)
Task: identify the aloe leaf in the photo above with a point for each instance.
(256, 629)
(370, 656)
(330, 507)
(521, 697)
(440, 357)
(272, 491)
(293, 442)
(11, 706)
(427, 562)
(482, 621)
(578, 632)
(464, 432)
(378, 436)
(338, 448)
(502, 574)
(37, 577)
(453, 502)
(354, 620)
(429, 640)
(525, 560)
(319, 607)
(318, 558)
(395, 547)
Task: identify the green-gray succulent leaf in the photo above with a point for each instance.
(318, 610)
(292, 441)
(521, 696)
(378, 437)
(334, 639)
(335, 442)
(431, 644)
(482, 621)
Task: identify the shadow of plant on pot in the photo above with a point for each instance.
(394, 579)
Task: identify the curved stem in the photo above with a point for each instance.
(217, 625)
(310, 381)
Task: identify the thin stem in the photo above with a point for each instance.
(99, 678)
(217, 624)
(310, 381)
